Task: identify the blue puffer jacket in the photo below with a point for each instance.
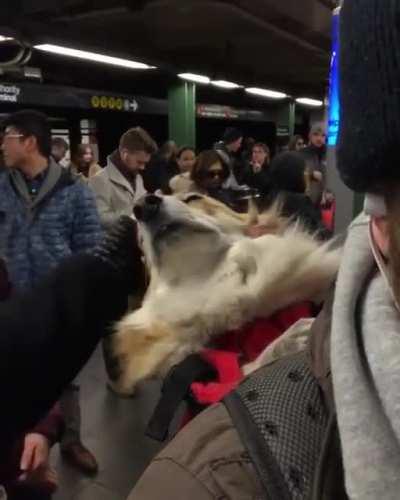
(36, 236)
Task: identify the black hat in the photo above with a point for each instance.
(369, 61)
(287, 172)
(231, 134)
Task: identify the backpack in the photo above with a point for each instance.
(289, 432)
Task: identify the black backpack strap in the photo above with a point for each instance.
(263, 460)
(175, 388)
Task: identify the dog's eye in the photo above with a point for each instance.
(192, 197)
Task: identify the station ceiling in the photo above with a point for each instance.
(277, 44)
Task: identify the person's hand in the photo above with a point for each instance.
(256, 167)
(35, 453)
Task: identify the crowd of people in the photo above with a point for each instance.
(69, 256)
(52, 211)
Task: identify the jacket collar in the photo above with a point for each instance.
(53, 176)
(115, 176)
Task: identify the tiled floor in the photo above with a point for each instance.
(113, 429)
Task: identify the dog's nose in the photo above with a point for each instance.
(147, 207)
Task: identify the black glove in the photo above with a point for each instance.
(120, 249)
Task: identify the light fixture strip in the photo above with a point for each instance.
(91, 56)
(193, 77)
(307, 101)
(225, 84)
(271, 94)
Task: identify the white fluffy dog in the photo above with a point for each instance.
(206, 281)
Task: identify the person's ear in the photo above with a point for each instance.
(380, 234)
(31, 144)
(124, 155)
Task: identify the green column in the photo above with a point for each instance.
(182, 113)
(286, 119)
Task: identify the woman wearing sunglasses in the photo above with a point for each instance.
(208, 176)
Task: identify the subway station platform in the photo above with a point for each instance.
(113, 429)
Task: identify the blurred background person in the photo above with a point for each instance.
(314, 155)
(185, 159)
(296, 143)
(289, 186)
(161, 168)
(59, 150)
(228, 149)
(84, 162)
(248, 145)
(257, 171)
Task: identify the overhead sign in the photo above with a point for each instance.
(114, 103)
(229, 113)
(282, 131)
(31, 94)
(216, 111)
(9, 93)
(52, 96)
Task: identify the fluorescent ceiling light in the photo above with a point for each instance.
(92, 56)
(272, 94)
(309, 102)
(223, 84)
(192, 77)
(5, 38)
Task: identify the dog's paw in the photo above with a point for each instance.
(120, 391)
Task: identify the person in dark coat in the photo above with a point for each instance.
(315, 154)
(48, 333)
(228, 149)
(257, 172)
(27, 473)
(289, 187)
(161, 169)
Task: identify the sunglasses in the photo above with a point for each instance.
(211, 174)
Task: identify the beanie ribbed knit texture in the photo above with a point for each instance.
(369, 61)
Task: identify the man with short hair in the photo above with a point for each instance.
(314, 154)
(120, 184)
(46, 214)
(227, 149)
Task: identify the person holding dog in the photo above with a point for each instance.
(323, 424)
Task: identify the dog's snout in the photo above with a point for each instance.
(147, 207)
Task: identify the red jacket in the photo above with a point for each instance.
(234, 349)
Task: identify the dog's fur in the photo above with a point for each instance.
(208, 278)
